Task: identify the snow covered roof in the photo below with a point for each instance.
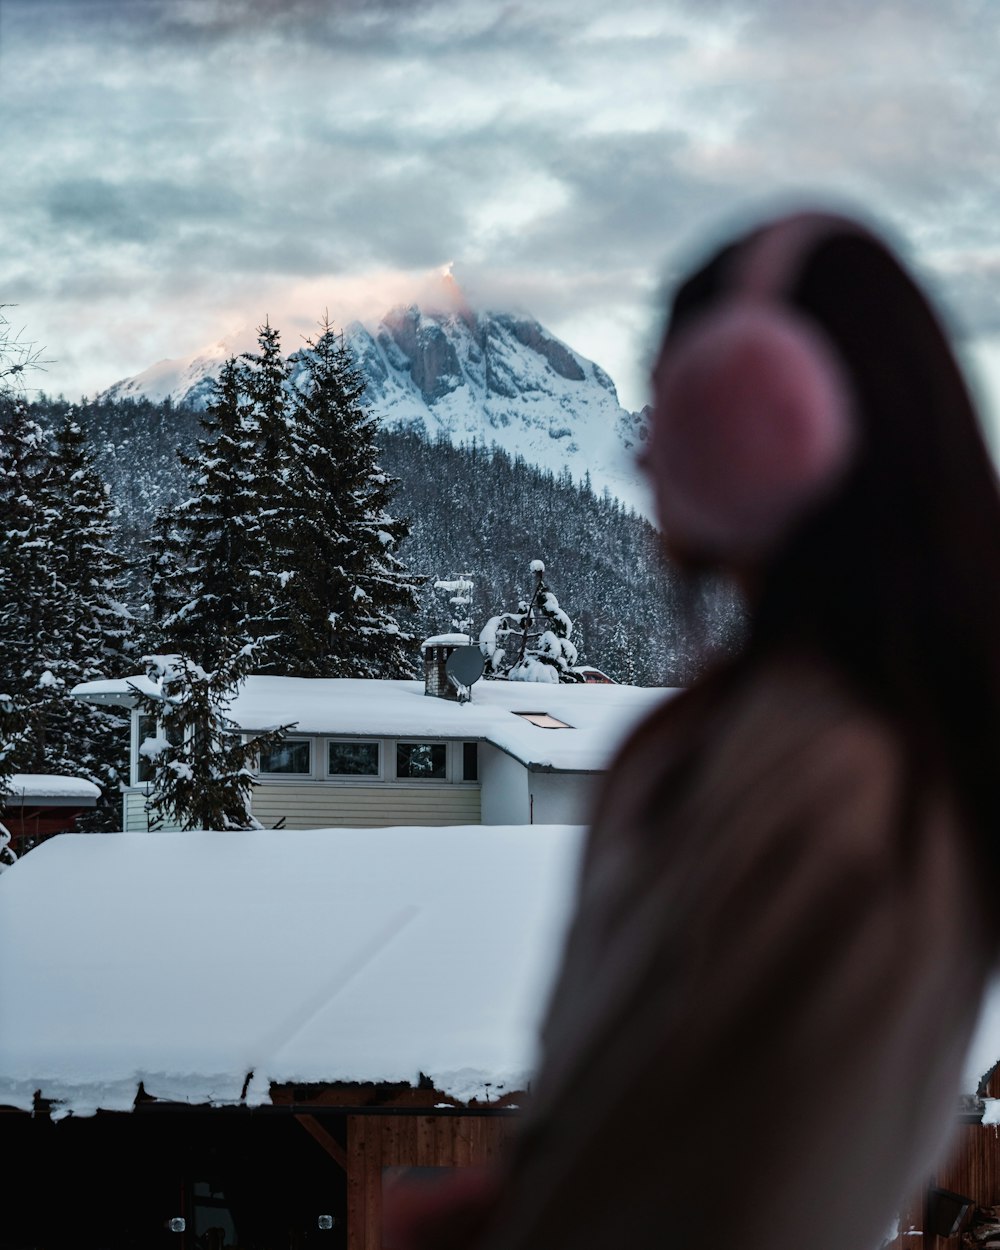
(51, 789)
(598, 715)
(447, 640)
(187, 961)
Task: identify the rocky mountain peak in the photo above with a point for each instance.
(490, 377)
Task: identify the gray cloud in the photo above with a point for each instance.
(174, 162)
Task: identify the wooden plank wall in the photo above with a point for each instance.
(973, 1169)
(317, 805)
(375, 1142)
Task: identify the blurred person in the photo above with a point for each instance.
(783, 927)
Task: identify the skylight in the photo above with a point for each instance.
(543, 720)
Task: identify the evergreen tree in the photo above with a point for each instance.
(13, 726)
(342, 582)
(459, 589)
(86, 633)
(533, 643)
(221, 557)
(61, 621)
(202, 768)
(268, 520)
(31, 598)
(25, 566)
(207, 585)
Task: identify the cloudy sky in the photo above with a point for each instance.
(175, 170)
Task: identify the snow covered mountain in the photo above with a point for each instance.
(492, 377)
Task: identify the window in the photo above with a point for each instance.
(470, 761)
(543, 720)
(422, 761)
(147, 729)
(289, 758)
(352, 759)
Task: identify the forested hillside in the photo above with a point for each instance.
(473, 511)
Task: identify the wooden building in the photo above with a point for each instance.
(280, 1177)
(242, 1039)
(38, 805)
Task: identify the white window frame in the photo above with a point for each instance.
(449, 761)
(287, 778)
(135, 742)
(356, 778)
(319, 746)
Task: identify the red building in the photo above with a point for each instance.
(41, 804)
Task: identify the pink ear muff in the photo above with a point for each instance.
(752, 423)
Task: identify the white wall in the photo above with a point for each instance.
(504, 787)
(561, 798)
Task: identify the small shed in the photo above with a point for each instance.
(38, 805)
(252, 1034)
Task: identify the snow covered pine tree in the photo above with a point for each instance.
(202, 769)
(459, 589)
(61, 621)
(91, 633)
(286, 532)
(24, 572)
(208, 590)
(533, 643)
(342, 581)
(19, 464)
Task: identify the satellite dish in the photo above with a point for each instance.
(465, 665)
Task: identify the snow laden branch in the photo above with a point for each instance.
(459, 589)
(534, 643)
(203, 770)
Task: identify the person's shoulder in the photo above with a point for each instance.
(801, 705)
(799, 745)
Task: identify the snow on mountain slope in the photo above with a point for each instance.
(491, 377)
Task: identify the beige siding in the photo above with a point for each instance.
(316, 805)
(134, 815)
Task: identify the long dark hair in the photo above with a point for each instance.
(896, 577)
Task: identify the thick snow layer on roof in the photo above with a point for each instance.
(446, 640)
(599, 715)
(187, 961)
(37, 787)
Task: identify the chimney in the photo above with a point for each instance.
(436, 652)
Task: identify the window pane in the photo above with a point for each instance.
(147, 729)
(287, 757)
(470, 761)
(543, 720)
(353, 759)
(421, 761)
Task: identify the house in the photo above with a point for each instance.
(256, 1033)
(365, 752)
(37, 805)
